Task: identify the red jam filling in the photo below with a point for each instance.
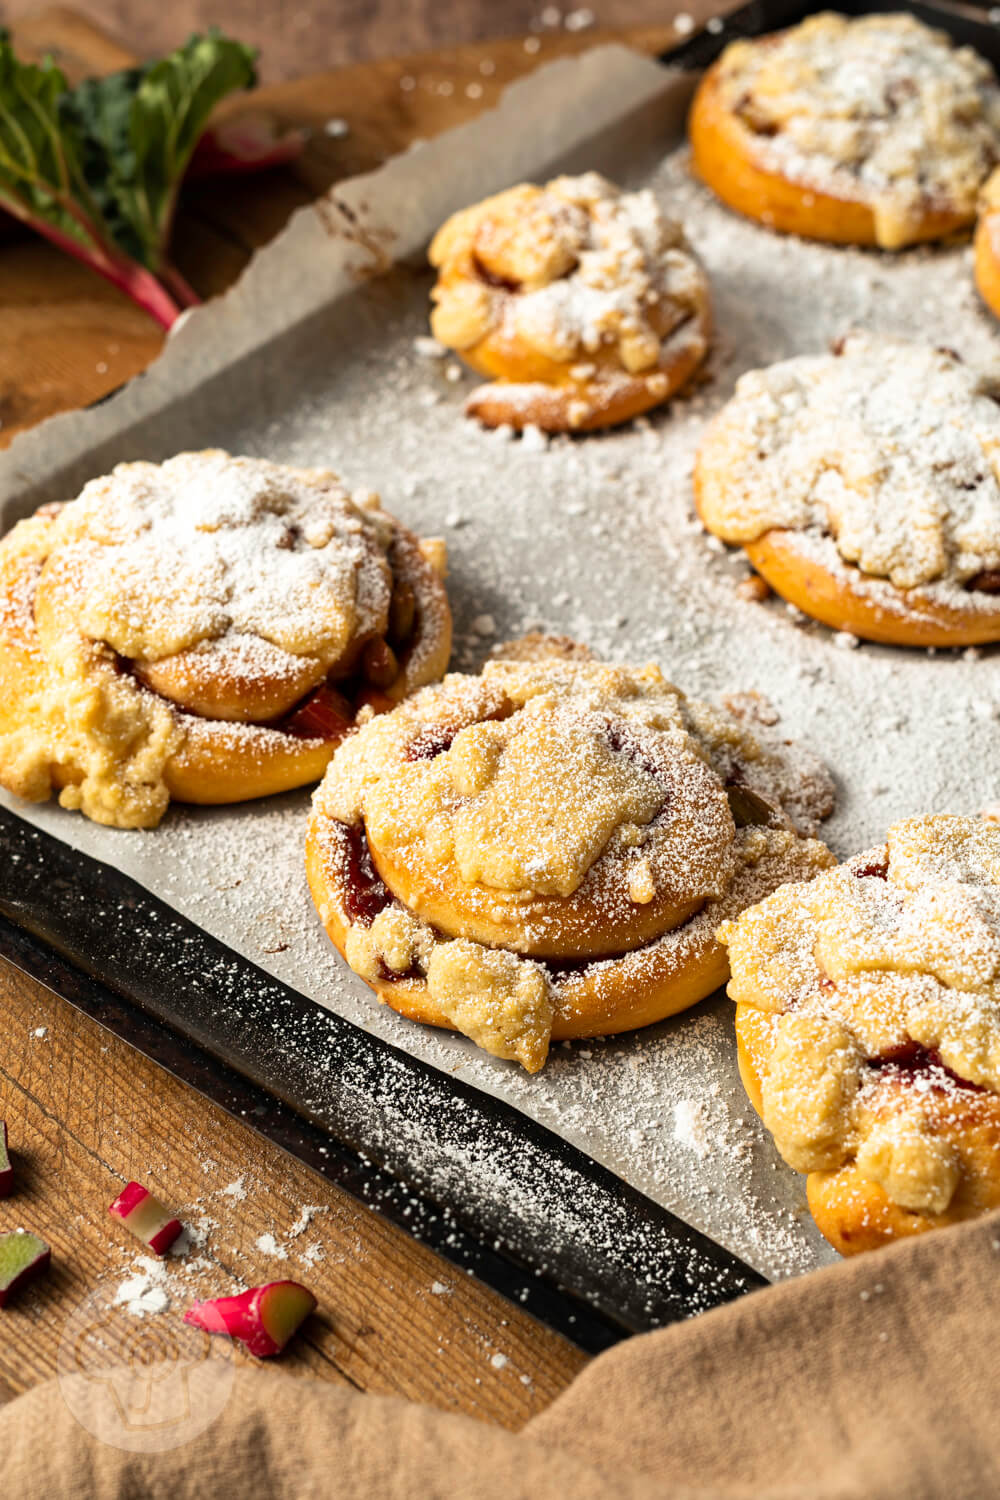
(324, 715)
(504, 283)
(432, 741)
(877, 871)
(912, 1059)
(365, 894)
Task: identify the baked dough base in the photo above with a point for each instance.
(846, 599)
(529, 390)
(986, 260)
(856, 1214)
(724, 157)
(608, 995)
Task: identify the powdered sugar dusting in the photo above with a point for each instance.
(886, 446)
(144, 1292)
(267, 1244)
(690, 1125)
(597, 539)
(877, 108)
(205, 545)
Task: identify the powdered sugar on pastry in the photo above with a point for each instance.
(156, 632)
(550, 838)
(574, 284)
(876, 992)
(68, 718)
(889, 448)
(880, 108)
(593, 266)
(205, 547)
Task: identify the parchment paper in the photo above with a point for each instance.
(308, 362)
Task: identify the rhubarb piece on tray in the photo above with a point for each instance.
(264, 1318)
(146, 1217)
(23, 1256)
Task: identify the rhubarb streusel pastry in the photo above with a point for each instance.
(863, 485)
(874, 130)
(868, 1023)
(545, 850)
(583, 304)
(204, 629)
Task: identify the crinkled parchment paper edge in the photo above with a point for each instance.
(358, 228)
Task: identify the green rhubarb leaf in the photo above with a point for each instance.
(97, 169)
(169, 110)
(103, 162)
(98, 113)
(41, 178)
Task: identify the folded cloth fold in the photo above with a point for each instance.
(876, 1378)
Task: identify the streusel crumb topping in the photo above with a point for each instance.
(561, 809)
(237, 564)
(879, 107)
(592, 267)
(889, 448)
(890, 958)
(206, 546)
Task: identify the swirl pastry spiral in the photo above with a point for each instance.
(545, 850)
(872, 130)
(868, 1023)
(204, 629)
(583, 304)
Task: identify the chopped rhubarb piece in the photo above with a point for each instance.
(6, 1170)
(146, 1217)
(324, 715)
(22, 1257)
(247, 143)
(263, 1318)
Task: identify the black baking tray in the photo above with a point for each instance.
(553, 1230)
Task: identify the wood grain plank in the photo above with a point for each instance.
(296, 38)
(76, 43)
(68, 337)
(86, 1114)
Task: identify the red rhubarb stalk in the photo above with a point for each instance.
(146, 1217)
(264, 1318)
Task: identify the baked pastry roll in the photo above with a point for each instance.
(863, 485)
(582, 304)
(204, 629)
(868, 1023)
(545, 850)
(867, 131)
(986, 244)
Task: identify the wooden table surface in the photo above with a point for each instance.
(85, 1112)
(296, 37)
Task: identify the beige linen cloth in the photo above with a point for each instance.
(877, 1378)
